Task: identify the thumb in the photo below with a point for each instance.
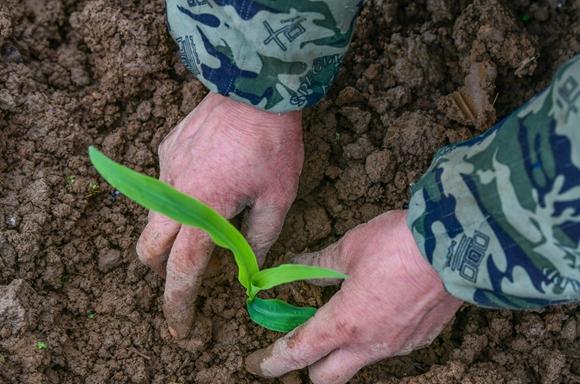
(332, 257)
(264, 223)
(304, 346)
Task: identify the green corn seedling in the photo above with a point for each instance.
(157, 196)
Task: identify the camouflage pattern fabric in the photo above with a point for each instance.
(499, 216)
(278, 55)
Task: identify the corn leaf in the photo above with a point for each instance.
(277, 315)
(287, 273)
(160, 197)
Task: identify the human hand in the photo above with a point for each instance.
(228, 155)
(392, 303)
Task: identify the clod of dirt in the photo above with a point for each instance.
(307, 226)
(349, 95)
(380, 166)
(414, 135)
(7, 254)
(568, 332)
(470, 349)
(416, 65)
(316, 161)
(291, 378)
(487, 30)
(5, 26)
(199, 336)
(551, 365)
(472, 104)
(108, 259)
(359, 149)
(353, 183)
(442, 10)
(359, 119)
(451, 373)
(18, 308)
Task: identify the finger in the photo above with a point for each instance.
(338, 367)
(264, 223)
(332, 257)
(187, 261)
(155, 241)
(304, 346)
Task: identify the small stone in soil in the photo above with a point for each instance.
(114, 195)
(11, 54)
(12, 221)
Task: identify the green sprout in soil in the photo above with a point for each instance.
(40, 345)
(91, 314)
(94, 189)
(65, 278)
(525, 18)
(70, 180)
(157, 196)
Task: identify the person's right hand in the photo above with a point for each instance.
(392, 303)
(228, 155)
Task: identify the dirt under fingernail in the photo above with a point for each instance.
(254, 362)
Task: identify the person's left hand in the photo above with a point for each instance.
(392, 303)
(230, 156)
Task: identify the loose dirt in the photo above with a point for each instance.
(419, 75)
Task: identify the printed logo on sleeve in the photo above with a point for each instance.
(290, 30)
(467, 257)
(188, 53)
(315, 81)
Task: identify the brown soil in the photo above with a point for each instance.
(419, 75)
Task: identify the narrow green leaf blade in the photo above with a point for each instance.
(277, 315)
(160, 197)
(287, 273)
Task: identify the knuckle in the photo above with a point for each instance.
(142, 250)
(344, 248)
(162, 149)
(165, 143)
(353, 238)
(283, 194)
(296, 356)
(297, 361)
(346, 329)
(141, 256)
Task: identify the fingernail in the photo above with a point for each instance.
(254, 361)
(172, 332)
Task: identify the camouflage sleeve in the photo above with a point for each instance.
(499, 216)
(278, 55)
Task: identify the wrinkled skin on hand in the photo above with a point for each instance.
(393, 302)
(230, 156)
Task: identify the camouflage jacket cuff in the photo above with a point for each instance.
(498, 216)
(278, 56)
